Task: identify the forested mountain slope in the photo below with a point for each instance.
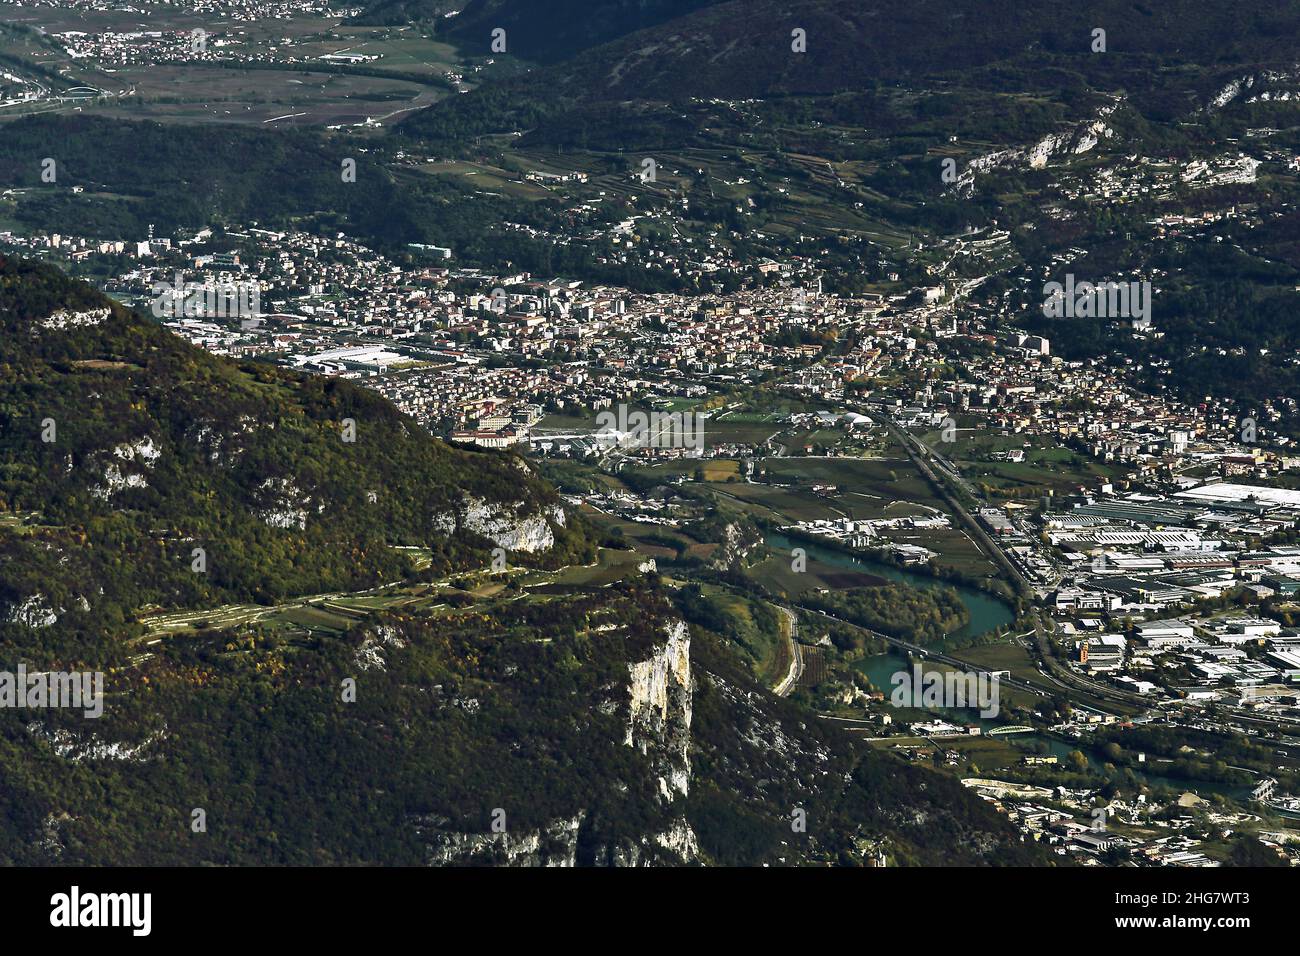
(450, 724)
(126, 449)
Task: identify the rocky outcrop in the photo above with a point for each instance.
(659, 711)
(142, 451)
(1241, 85)
(77, 747)
(138, 456)
(285, 505)
(116, 480)
(33, 611)
(680, 839)
(67, 319)
(674, 846)
(505, 527)
(556, 844)
(1079, 139)
(738, 539)
(370, 655)
(659, 692)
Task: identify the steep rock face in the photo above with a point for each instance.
(680, 839)
(505, 527)
(658, 691)
(557, 845)
(738, 539)
(675, 846)
(589, 729)
(1076, 141)
(659, 711)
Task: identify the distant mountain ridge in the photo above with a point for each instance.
(745, 49)
(554, 30)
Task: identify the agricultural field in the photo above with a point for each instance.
(335, 613)
(775, 573)
(1017, 659)
(610, 566)
(280, 88)
(868, 487)
(983, 753)
(783, 505)
(710, 470)
(1012, 657)
(981, 453)
(736, 431)
(265, 97)
(483, 176)
(815, 668)
(332, 613)
(954, 546)
(651, 540)
(1008, 697)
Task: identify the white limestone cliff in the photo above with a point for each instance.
(504, 527)
(33, 611)
(67, 319)
(1081, 138)
(659, 711)
(1242, 84)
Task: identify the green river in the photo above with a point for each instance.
(986, 613)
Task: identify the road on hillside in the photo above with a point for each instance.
(796, 656)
